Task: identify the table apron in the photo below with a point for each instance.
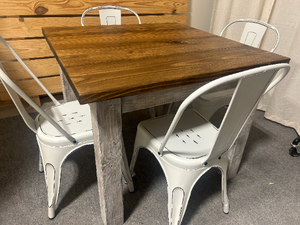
(156, 98)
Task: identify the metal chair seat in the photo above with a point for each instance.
(72, 117)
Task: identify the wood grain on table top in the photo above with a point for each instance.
(105, 62)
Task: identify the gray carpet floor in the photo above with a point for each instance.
(266, 189)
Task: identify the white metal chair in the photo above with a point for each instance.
(253, 33)
(59, 129)
(109, 14)
(187, 145)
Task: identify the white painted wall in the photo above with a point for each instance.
(199, 14)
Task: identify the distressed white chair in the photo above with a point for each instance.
(109, 14)
(253, 33)
(187, 145)
(59, 129)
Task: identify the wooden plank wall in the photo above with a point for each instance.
(21, 22)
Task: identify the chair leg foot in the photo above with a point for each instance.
(51, 213)
(130, 187)
(226, 208)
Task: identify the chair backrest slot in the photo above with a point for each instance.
(109, 14)
(253, 32)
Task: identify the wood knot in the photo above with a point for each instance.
(41, 10)
(21, 19)
(176, 6)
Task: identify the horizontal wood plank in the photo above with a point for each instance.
(31, 88)
(28, 27)
(40, 68)
(26, 49)
(77, 7)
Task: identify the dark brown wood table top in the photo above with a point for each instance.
(106, 62)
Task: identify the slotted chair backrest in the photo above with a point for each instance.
(14, 92)
(109, 15)
(251, 85)
(254, 31)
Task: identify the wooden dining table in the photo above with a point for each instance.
(119, 69)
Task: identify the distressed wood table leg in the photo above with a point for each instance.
(68, 92)
(237, 150)
(107, 131)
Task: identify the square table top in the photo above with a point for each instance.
(106, 62)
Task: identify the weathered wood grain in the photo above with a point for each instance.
(131, 60)
(25, 27)
(76, 7)
(107, 132)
